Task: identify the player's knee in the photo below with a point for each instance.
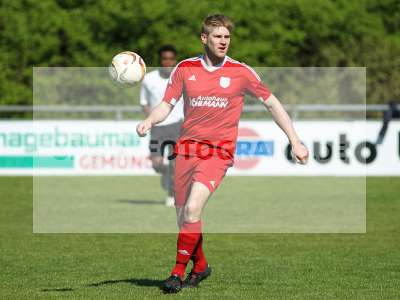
(192, 213)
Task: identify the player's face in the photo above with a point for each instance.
(217, 41)
(167, 61)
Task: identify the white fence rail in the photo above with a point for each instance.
(119, 110)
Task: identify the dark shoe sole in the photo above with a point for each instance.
(168, 288)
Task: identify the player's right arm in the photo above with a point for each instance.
(157, 115)
(281, 117)
(279, 114)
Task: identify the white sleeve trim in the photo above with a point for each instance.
(252, 71)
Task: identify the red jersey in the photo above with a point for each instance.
(213, 100)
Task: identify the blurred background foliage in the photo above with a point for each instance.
(273, 33)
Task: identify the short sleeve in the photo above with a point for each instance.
(144, 94)
(254, 85)
(174, 88)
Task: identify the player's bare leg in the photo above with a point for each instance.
(196, 202)
(194, 206)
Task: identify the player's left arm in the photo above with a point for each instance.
(283, 120)
(255, 87)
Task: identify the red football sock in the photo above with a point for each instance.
(188, 238)
(198, 257)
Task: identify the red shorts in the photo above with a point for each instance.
(189, 169)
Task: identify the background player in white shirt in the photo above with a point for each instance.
(151, 94)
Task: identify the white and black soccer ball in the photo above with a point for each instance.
(127, 68)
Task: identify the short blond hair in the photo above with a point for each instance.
(214, 21)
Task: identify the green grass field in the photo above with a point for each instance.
(246, 266)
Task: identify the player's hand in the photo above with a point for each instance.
(143, 127)
(300, 153)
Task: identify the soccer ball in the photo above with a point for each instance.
(127, 68)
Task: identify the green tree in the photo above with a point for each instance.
(269, 33)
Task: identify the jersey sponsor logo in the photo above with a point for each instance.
(224, 82)
(192, 78)
(209, 101)
(250, 149)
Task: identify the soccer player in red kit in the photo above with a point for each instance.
(213, 87)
